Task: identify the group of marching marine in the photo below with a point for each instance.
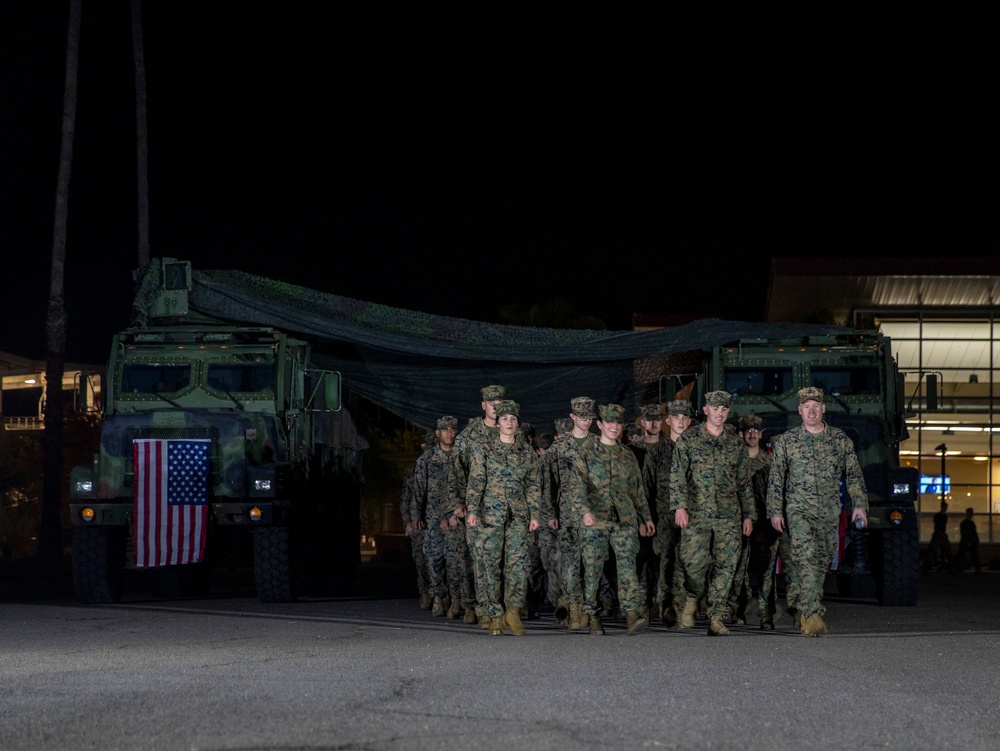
(684, 521)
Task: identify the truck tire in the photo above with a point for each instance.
(899, 582)
(98, 564)
(272, 564)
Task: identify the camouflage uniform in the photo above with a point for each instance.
(408, 504)
(477, 432)
(505, 485)
(670, 585)
(563, 480)
(612, 491)
(548, 538)
(435, 493)
(710, 478)
(755, 571)
(804, 486)
(654, 459)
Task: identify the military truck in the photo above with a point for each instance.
(265, 478)
(864, 396)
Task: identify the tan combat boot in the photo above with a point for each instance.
(425, 601)
(514, 622)
(636, 622)
(437, 607)
(456, 608)
(470, 616)
(562, 611)
(596, 628)
(575, 616)
(716, 627)
(687, 617)
(484, 622)
(496, 625)
(813, 625)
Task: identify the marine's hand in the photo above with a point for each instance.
(681, 518)
(589, 520)
(778, 522)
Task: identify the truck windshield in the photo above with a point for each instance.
(846, 381)
(765, 381)
(155, 379)
(241, 377)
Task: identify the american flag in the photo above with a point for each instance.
(170, 507)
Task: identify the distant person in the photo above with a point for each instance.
(411, 508)
(968, 542)
(939, 548)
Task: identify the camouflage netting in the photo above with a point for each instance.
(421, 366)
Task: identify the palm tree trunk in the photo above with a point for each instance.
(50, 545)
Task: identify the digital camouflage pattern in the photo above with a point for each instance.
(434, 498)
(504, 493)
(476, 432)
(710, 479)
(612, 492)
(655, 463)
(559, 486)
(755, 570)
(407, 504)
(804, 487)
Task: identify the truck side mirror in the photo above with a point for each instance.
(331, 390)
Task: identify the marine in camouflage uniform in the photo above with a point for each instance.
(505, 486)
(712, 500)
(803, 501)
(480, 430)
(755, 571)
(611, 503)
(561, 484)
(434, 496)
(412, 511)
(654, 457)
(547, 535)
(670, 585)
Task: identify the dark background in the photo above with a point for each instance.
(452, 163)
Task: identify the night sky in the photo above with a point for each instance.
(452, 163)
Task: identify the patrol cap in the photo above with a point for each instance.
(810, 392)
(651, 412)
(582, 406)
(508, 407)
(492, 393)
(631, 429)
(563, 424)
(680, 407)
(750, 422)
(718, 398)
(447, 422)
(612, 413)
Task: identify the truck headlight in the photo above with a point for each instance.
(901, 488)
(262, 484)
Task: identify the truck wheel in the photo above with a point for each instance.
(272, 564)
(900, 580)
(98, 563)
